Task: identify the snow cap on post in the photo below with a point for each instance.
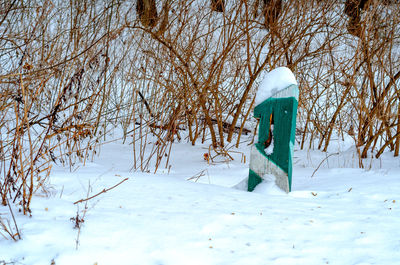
(274, 82)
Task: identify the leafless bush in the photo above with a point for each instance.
(55, 84)
(354, 91)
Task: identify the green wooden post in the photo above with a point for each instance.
(277, 126)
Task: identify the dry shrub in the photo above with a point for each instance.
(352, 89)
(54, 86)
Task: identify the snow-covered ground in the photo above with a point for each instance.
(337, 214)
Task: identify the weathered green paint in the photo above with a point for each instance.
(254, 180)
(284, 112)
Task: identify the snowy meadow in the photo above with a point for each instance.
(126, 129)
(200, 213)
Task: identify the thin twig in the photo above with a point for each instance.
(78, 220)
(15, 222)
(322, 162)
(103, 191)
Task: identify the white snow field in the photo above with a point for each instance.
(337, 214)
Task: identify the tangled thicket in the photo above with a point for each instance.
(71, 71)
